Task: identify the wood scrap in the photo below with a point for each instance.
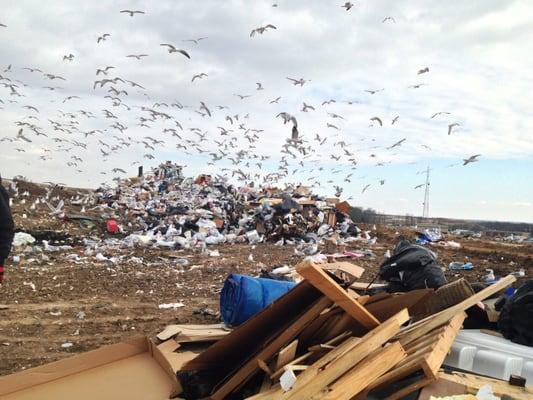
(249, 368)
(383, 309)
(323, 282)
(305, 356)
(429, 323)
(340, 360)
(308, 342)
(358, 378)
(286, 355)
(472, 383)
(426, 354)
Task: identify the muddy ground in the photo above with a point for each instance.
(48, 301)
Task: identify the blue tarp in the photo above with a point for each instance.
(243, 296)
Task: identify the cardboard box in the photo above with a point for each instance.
(135, 369)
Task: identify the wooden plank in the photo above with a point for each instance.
(422, 356)
(263, 365)
(428, 324)
(427, 339)
(305, 356)
(359, 377)
(323, 282)
(251, 367)
(286, 355)
(437, 356)
(342, 359)
(383, 309)
(472, 383)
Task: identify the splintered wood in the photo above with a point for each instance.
(425, 354)
(338, 347)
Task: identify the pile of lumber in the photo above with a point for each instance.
(322, 340)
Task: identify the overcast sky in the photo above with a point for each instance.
(478, 54)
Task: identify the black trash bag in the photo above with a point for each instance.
(411, 267)
(516, 316)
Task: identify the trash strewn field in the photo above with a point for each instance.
(54, 296)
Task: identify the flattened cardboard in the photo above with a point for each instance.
(135, 369)
(343, 207)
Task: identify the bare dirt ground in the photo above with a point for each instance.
(52, 301)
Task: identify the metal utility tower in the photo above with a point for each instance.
(425, 211)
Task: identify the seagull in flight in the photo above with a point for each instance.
(261, 29)
(103, 37)
(471, 159)
(195, 41)
(347, 6)
(398, 143)
(296, 82)
(172, 49)
(132, 12)
(451, 126)
(137, 56)
(377, 120)
(423, 71)
(440, 113)
(198, 76)
(374, 91)
(388, 19)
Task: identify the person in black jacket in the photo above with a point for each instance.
(7, 228)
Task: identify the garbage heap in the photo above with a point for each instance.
(173, 211)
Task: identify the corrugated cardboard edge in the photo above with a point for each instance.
(86, 361)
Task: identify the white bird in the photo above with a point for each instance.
(172, 49)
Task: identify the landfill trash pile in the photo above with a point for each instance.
(164, 209)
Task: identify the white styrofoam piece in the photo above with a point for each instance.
(462, 356)
(496, 364)
(527, 371)
(490, 355)
(287, 380)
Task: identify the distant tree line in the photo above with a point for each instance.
(365, 215)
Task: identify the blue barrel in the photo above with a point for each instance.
(243, 296)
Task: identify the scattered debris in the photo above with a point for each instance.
(171, 305)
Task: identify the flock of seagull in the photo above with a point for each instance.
(235, 148)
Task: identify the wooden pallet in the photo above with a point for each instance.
(425, 354)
